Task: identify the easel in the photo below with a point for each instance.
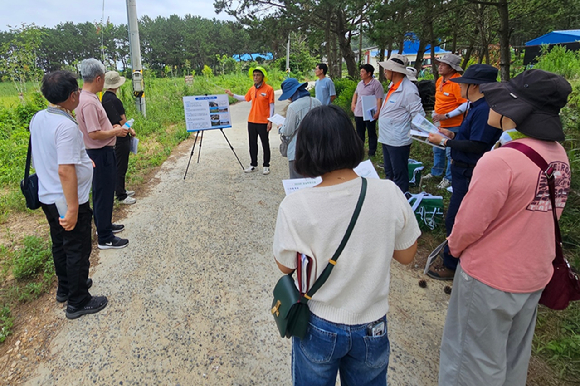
(199, 152)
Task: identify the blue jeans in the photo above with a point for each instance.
(439, 156)
(330, 347)
(396, 161)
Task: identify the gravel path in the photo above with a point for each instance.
(189, 298)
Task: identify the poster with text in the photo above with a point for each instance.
(206, 112)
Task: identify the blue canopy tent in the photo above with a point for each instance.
(567, 38)
(250, 57)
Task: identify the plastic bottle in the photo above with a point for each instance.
(61, 207)
(129, 123)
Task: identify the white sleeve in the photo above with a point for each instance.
(271, 109)
(240, 97)
(458, 111)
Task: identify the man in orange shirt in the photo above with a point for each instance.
(262, 97)
(449, 109)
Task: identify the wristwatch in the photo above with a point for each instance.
(447, 116)
(442, 143)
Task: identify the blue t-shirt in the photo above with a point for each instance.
(324, 90)
(475, 128)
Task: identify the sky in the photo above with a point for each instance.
(49, 13)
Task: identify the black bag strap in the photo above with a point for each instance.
(28, 157)
(332, 262)
(548, 171)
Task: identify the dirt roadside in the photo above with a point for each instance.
(189, 297)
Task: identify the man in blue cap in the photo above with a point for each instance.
(473, 139)
(300, 104)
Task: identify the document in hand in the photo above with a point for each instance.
(277, 119)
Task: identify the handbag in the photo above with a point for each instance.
(29, 185)
(564, 285)
(290, 306)
(285, 140)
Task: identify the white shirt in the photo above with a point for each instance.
(57, 140)
(314, 220)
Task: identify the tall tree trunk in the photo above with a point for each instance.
(328, 49)
(420, 55)
(432, 38)
(504, 40)
(382, 58)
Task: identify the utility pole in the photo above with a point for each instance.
(135, 47)
(288, 57)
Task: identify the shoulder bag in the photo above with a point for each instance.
(564, 286)
(29, 185)
(290, 306)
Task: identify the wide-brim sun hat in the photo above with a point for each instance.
(396, 63)
(412, 74)
(258, 68)
(289, 87)
(532, 100)
(113, 80)
(452, 60)
(478, 74)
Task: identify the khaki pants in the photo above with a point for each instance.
(488, 334)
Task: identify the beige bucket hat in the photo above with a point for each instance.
(396, 63)
(452, 60)
(113, 80)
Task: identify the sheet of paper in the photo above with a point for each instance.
(422, 124)
(367, 170)
(369, 106)
(134, 144)
(277, 119)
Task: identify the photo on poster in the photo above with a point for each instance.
(206, 112)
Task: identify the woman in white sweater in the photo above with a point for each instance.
(347, 331)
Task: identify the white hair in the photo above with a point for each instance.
(90, 69)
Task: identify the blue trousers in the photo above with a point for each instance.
(460, 183)
(328, 348)
(396, 159)
(439, 156)
(104, 179)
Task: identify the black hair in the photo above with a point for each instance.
(327, 141)
(58, 85)
(368, 68)
(323, 67)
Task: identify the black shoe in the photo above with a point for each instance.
(118, 228)
(96, 304)
(116, 243)
(61, 298)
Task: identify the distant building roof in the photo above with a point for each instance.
(556, 37)
(249, 57)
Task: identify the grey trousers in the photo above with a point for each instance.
(487, 339)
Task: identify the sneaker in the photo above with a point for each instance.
(118, 228)
(266, 170)
(130, 193)
(250, 169)
(440, 272)
(427, 176)
(444, 183)
(116, 243)
(96, 304)
(61, 298)
(127, 201)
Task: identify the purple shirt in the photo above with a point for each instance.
(374, 87)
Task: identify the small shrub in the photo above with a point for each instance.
(31, 258)
(6, 323)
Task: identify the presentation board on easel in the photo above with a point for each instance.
(206, 112)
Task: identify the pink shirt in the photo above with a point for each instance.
(91, 117)
(504, 230)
